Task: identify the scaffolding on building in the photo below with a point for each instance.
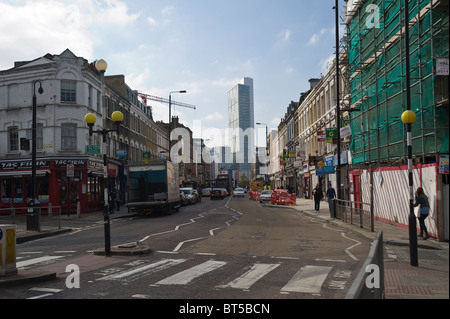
(376, 55)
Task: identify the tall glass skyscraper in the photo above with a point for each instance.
(241, 125)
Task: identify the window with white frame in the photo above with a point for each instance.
(39, 136)
(68, 136)
(13, 138)
(68, 91)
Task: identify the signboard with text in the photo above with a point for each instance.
(92, 149)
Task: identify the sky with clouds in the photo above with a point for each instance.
(202, 46)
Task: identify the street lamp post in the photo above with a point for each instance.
(267, 149)
(33, 218)
(408, 118)
(90, 119)
(338, 109)
(170, 113)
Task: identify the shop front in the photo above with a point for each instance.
(56, 185)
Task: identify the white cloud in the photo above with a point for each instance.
(228, 83)
(116, 12)
(285, 35)
(151, 21)
(51, 26)
(214, 116)
(316, 36)
(326, 63)
(290, 70)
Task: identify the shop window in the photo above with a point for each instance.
(6, 187)
(17, 190)
(43, 193)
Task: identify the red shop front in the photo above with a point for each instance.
(53, 185)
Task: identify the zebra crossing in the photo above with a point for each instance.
(291, 275)
(308, 279)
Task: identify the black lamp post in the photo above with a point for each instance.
(408, 118)
(32, 216)
(90, 119)
(266, 177)
(338, 109)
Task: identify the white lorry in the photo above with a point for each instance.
(153, 187)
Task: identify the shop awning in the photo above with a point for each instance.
(24, 173)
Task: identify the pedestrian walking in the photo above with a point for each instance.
(331, 194)
(422, 200)
(318, 195)
(118, 200)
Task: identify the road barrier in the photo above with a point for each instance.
(277, 197)
(369, 283)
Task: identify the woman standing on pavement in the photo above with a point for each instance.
(318, 195)
(422, 200)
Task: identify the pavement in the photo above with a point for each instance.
(430, 280)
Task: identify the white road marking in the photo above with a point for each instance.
(190, 274)
(140, 296)
(137, 272)
(40, 296)
(308, 279)
(256, 272)
(347, 250)
(331, 260)
(29, 262)
(42, 289)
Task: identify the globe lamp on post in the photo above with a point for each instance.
(90, 120)
(409, 117)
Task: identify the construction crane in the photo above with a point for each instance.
(146, 97)
(169, 101)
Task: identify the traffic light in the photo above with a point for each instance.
(24, 144)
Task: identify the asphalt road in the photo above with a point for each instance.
(223, 249)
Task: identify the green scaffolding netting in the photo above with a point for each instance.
(376, 51)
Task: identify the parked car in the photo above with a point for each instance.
(239, 192)
(265, 196)
(206, 191)
(196, 196)
(217, 193)
(189, 193)
(183, 199)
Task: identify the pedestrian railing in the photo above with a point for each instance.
(355, 213)
(49, 216)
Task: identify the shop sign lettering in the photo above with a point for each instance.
(23, 165)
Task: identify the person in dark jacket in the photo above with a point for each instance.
(318, 195)
(422, 200)
(331, 194)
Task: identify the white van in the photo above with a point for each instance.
(189, 193)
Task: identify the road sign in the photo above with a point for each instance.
(321, 136)
(146, 156)
(331, 133)
(70, 170)
(92, 149)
